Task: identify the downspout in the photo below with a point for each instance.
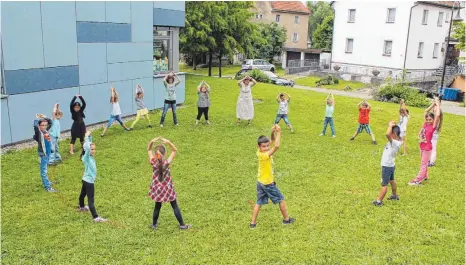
(407, 37)
(333, 36)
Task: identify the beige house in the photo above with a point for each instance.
(294, 17)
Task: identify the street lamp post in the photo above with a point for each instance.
(458, 18)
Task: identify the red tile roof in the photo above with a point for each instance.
(290, 6)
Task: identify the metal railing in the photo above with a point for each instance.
(297, 66)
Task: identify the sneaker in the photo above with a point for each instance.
(102, 135)
(207, 122)
(185, 227)
(154, 227)
(414, 183)
(252, 226)
(51, 190)
(333, 136)
(100, 220)
(150, 126)
(321, 134)
(177, 124)
(351, 139)
(374, 142)
(161, 125)
(291, 130)
(431, 164)
(83, 209)
(289, 221)
(128, 129)
(394, 197)
(377, 203)
(197, 122)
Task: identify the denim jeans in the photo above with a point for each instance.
(55, 155)
(332, 126)
(282, 116)
(113, 118)
(165, 110)
(44, 160)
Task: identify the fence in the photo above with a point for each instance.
(298, 66)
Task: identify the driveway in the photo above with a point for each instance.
(447, 106)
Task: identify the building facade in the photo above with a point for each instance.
(390, 36)
(294, 17)
(51, 51)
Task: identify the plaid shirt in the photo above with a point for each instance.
(161, 191)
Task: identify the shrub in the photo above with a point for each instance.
(327, 80)
(394, 93)
(258, 75)
(347, 88)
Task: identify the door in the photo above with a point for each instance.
(292, 56)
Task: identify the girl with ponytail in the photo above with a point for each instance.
(161, 189)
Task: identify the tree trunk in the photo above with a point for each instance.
(220, 65)
(194, 62)
(210, 63)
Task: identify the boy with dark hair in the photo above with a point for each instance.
(266, 186)
(388, 163)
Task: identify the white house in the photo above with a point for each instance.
(390, 36)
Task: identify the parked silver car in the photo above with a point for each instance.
(258, 64)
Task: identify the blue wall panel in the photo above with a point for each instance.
(6, 134)
(118, 32)
(92, 63)
(22, 35)
(59, 32)
(98, 102)
(142, 22)
(91, 32)
(132, 70)
(118, 12)
(181, 90)
(147, 85)
(173, 5)
(33, 80)
(23, 108)
(159, 93)
(90, 11)
(129, 52)
(97, 32)
(126, 93)
(165, 17)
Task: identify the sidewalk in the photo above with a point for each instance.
(447, 106)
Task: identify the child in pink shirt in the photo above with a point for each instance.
(425, 136)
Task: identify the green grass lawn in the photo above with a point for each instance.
(311, 82)
(328, 183)
(230, 70)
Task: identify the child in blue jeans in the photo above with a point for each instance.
(55, 156)
(41, 126)
(283, 100)
(329, 109)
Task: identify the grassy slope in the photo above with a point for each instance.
(230, 70)
(311, 82)
(329, 185)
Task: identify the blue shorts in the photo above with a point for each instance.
(284, 117)
(266, 192)
(388, 174)
(366, 127)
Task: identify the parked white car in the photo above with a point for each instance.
(261, 64)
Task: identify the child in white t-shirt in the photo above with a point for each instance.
(403, 123)
(388, 163)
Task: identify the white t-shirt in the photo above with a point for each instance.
(403, 122)
(283, 107)
(389, 153)
(116, 109)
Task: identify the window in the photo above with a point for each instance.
(295, 37)
(420, 50)
(391, 15)
(387, 48)
(440, 19)
(296, 19)
(436, 46)
(351, 15)
(425, 16)
(349, 46)
(163, 50)
(259, 16)
(277, 18)
(447, 17)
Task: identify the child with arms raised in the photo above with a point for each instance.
(141, 107)
(403, 123)
(116, 112)
(44, 146)
(329, 109)
(364, 111)
(55, 156)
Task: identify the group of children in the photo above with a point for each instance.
(47, 133)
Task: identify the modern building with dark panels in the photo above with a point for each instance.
(51, 51)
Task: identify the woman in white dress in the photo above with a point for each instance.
(245, 106)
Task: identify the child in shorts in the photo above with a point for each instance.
(364, 111)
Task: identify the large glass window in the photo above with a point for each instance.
(163, 51)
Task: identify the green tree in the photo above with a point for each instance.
(319, 11)
(323, 34)
(273, 37)
(459, 33)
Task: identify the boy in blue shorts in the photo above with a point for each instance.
(266, 186)
(388, 163)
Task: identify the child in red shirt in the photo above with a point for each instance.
(364, 111)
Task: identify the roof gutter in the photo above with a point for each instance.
(407, 37)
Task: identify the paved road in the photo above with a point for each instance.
(447, 106)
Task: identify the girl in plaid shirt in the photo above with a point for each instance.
(161, 189)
